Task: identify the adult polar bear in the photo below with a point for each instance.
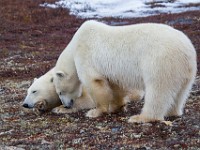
(152, 57)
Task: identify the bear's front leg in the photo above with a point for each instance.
(102, 95)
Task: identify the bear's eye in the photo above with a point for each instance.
(34, 91)
(60, 93)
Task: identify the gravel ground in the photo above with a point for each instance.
(31, 39)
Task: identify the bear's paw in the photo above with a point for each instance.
(93, 113)
(140, 119)
(61, 110)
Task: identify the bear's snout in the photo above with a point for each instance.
(25, 105)
(70, 104)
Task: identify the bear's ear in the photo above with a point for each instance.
(60, 74)
(34, 79)
(51, 80)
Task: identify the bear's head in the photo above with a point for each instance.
(42, 94)
(68, 87)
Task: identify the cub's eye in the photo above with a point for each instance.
(60, 93)
(34, 91)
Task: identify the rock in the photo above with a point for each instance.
(10, 148)
(82, 131)
(70, 148)
(176, 146)
(135, 135)
(116, 129)
(77, 141)
(1, 90)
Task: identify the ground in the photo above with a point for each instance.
(31, 39)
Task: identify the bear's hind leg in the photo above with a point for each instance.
(102, 94)
(157, 104)
(177, 108)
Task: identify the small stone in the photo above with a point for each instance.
(77, 141)
(176, 145)
(10, 148)
(115, 129)
(2, 91)
(136, 135)
(70, 148)
(82, 131)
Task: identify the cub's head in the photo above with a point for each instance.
(67, 86)
(42, 94)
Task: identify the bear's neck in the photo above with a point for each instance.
(66, 60)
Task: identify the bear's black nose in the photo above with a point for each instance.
(70, 104)
(68, 107)
(25, 105)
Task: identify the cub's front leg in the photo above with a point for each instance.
(102, 95)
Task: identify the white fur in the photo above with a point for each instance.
(152, 57)
(42, 89)
(42, 94)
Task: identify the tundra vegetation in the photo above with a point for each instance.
(31, 39)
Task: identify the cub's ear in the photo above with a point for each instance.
(51, 80)
(60, 74)
(34, 79)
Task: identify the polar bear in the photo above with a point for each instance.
(42, 96)
(154, 58)
(81, 103)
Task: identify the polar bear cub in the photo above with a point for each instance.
(42, 94)
(151, 57)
